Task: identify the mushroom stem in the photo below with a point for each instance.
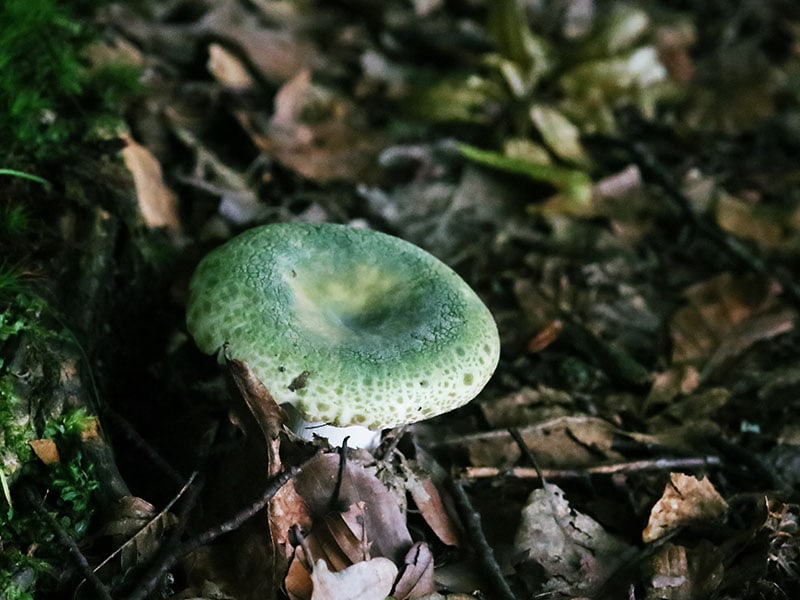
(359, 436)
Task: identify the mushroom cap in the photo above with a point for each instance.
(351, 326)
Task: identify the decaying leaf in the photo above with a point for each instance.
(372, 525)
(139, 530)
(527, 406)
(686, 499)
(318, 134)
(724, 317)
(575, 552)
(339, 539)
(416, 578)
(563, 442)
(368, 580)
(678, 572)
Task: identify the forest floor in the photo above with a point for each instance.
(617, 181)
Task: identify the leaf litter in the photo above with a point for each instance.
(616, 186)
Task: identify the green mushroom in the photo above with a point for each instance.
(350, 326)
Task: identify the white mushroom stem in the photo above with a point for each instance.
(358, 436)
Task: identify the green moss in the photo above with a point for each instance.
(30, 556)
(49, 97)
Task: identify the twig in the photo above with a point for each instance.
(333, 503)
(527, 453)
(143, 446)
(389, 444)
(659, 464)
(154, 575)
(472, 523)
(66, 541)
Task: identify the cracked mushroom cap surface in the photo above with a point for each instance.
(349, 325)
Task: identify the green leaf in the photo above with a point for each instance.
(575, 184)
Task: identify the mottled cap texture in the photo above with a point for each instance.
(350, 325)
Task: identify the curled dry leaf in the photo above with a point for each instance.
(384, 523)
(686, 499)
(338, 543)
(338, 539)
(262, 406)
(373, 525)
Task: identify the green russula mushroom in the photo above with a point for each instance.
(350, 326)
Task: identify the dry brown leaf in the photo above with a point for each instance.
(724, 317)
(416, 579)
(674, 44)
(677, 381)
(692, 412)
(368, 580)
(429, 502)
(568, 442)
(262, 406)
(316, 133)
(46, 450)
(158, 204)
(339, 540)
(227, 69)
(686, 499)
(574, 550)
(680, 573)
(143, 530)
(527, 406)
(384, 523)
(277, 55)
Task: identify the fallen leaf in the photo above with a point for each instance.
(569, 442)
(770, 228)
(318, 133)
(416, 579)
(158, 204)
(262, 406)
(560, 134)
(724, 317)
(368, 580)
(678, 572)
(46, 451)
(429, 502)
(384, 523)
(227, 69)
(686, 499)
(575, 552)
(137, 531)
